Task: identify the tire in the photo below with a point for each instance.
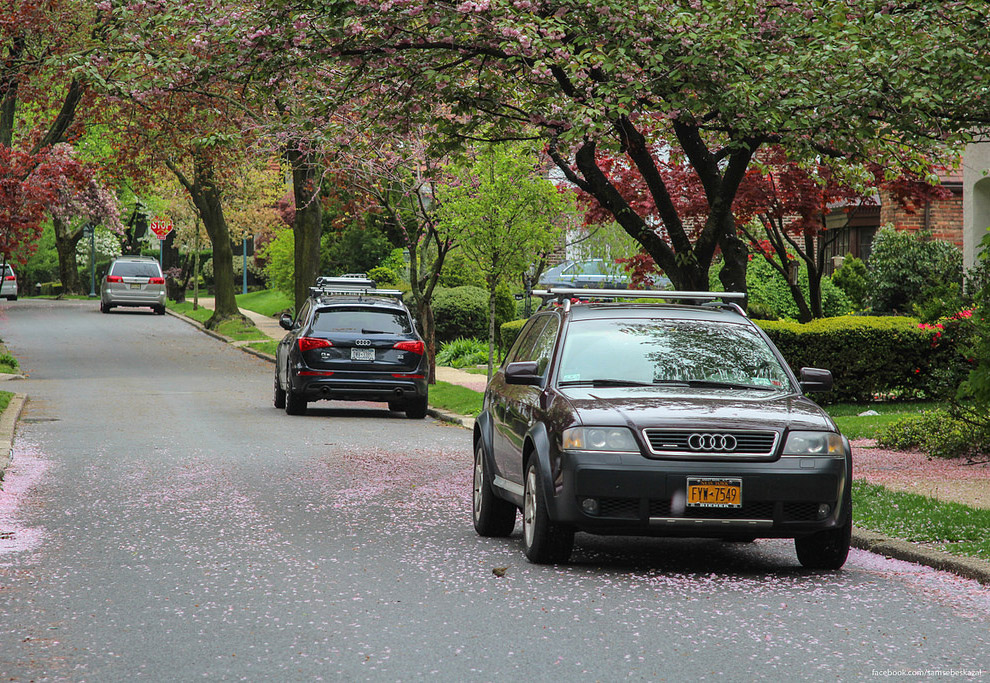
(395, 406)
(159, 310)
(295, 404)
(416, 409)
(543, 541)
(104, 308)
(825, 549)
(493, 517)
(279, 399)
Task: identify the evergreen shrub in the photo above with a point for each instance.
(463, 312)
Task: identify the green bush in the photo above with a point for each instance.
(463, 312)
(854, 279)
(508, 333)
(463, 353)
(868, 356)
(383, 277)
(770, 296)
(10, 366)
(356, 249)
(459, 271)
(907, 267)
(937, 433)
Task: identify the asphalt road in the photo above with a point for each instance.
(161, 520)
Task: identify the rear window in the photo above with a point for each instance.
(7, 270)
(135, 269)
(361, 321)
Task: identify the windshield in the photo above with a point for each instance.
(361, 321)
(685, 352)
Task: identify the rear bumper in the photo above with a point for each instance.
(115, 297)
(640, 496)
(382, 387)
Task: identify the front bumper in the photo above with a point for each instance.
(641, 496)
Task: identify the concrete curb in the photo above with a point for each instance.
(968, 567)
(8, 421)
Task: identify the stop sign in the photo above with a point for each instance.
(161, 226)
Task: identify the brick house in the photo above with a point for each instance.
(961, 219)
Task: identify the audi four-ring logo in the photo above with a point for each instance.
(362, 342)
(712, 442)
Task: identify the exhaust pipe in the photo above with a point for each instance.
(398, 393)
(325, 391)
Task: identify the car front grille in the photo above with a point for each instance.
(711, 443)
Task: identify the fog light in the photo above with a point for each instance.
(823, 510)
(590, 506)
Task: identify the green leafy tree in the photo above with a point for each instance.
(853, 278)
(501, 210)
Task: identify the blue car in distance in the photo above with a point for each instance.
(592, 274)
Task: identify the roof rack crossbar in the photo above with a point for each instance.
(568, 292)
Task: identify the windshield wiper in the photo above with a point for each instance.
(601, 382)
(730, 385)
(371, 332)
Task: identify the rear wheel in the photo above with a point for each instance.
(492, 515)
(295, 404)
(416, 409)
(279, 399)
(104, 307)
(159, 310)
(543, 541)
(395, 406)
(825, 549)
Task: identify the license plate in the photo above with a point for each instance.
(714, 493)
(362, 354)
(135, 286)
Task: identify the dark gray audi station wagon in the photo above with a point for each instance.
(662, 420)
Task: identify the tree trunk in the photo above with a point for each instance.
(206, 196)
(307, 225)
(66, 239)
(491, 327)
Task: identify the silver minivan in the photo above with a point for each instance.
(8, 284)
(133, 281)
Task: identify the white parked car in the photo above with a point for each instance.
(8, 284)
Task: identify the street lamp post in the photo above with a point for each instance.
(91, 229)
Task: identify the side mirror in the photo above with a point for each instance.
(523, 372)
(285, 322)
(815, 380)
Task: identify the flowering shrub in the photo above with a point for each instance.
(938, 433)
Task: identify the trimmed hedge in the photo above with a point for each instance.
(868, 356)
(463, 312)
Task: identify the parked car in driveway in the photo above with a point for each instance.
(658, 419)
(591, 273)
(133, 281)
(8, 284)
(351, 342)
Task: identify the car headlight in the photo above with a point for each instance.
(599, 439)
(813, 443)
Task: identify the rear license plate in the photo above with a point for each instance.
(135, 286)
(362, 354)
(714, 493)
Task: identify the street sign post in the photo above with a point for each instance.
(161, 226)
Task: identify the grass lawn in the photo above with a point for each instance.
(846, 416)
(268, 302)
(265, 347)
(186, 308)
(5, 397)
(237, 330)
(958, 529)
(455, 398)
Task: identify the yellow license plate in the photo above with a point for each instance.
(714, 493)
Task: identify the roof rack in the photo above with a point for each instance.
(565, 294)
(354, 284)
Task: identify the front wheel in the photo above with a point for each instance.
(492, 515)
(543, 541)
(825, 549)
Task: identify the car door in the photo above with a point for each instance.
(501, 395)
(283, 353)
(523, 405)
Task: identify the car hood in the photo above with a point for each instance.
(642, 407)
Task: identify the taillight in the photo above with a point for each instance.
(156, 281)
(114, 278)
(314, 373)
(413, 346)
(407, 375)
(310, 343)
(9, 278)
